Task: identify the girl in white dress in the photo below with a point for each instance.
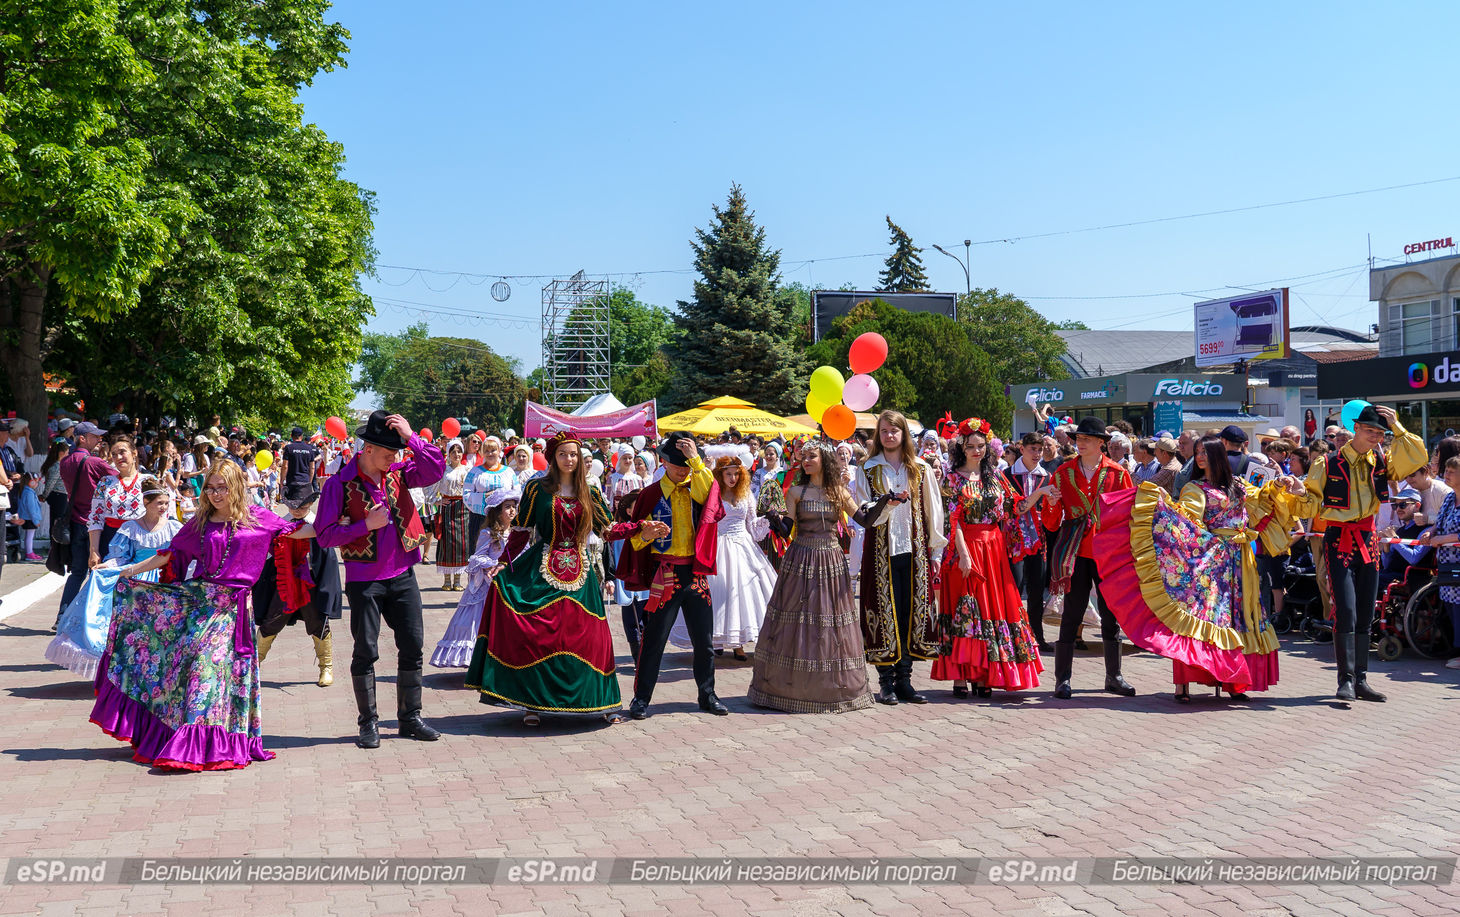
(743, 581)
(456, 646)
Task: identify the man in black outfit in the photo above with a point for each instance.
(300, 459)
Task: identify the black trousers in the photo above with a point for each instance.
(900, 571)
(81, 559)
(699, 619)
(1029, 576)
(397, 601)
(1355, 586)
(1085, 578)
(315, 623)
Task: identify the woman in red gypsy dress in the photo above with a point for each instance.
(986, 639)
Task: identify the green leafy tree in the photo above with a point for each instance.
(1021, 342)
(932, 364)
(644, 382)
(78, 231)
(903, 272)
(737, 334)
(1072, 324)
(426, 379)
(255, 309)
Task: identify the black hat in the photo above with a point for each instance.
(669, 449)
(377, 433)
(296, 431)
(1091, 426)
(1233, 434)
(302, 497)
(1371, 416)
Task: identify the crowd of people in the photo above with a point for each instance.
(187, 557)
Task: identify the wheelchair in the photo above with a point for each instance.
(1426, 622)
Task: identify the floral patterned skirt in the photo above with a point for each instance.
(171, 682)
(1184, 592)
(985, 633)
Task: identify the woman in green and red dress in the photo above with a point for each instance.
(544, 645)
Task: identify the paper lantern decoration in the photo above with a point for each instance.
(815, 408)
(860, 392)
(539, 462)
(450, 427)
(426, 434)
(839, 422)
(263, 460)
(826, 385)
(336, 427)
(868, 353)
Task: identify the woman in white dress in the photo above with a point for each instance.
(741, 586)
(453, 549)
(456, 646)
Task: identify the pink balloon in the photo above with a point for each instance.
(860, 392)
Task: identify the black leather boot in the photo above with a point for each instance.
(1361, 671)
(886, 693)
(1114, 684)
(1343, 654)
(902, 682)
(408, 708)
(1064, 666)
(365, 702)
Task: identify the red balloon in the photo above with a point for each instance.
(336, 427)
(839, 422)
(426, 434)
(539, 461)
(450, 427)
(868, 353)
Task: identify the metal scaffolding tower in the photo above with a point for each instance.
(574, 341)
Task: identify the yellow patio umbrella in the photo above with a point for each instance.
(720, 414)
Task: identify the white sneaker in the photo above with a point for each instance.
(1453, 663)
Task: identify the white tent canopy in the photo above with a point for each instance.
(599, 404)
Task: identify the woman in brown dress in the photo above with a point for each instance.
(809, 656)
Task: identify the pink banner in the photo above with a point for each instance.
(639, 420)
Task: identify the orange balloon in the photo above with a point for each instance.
(839, 422)
(450, 427)
(336, 427)
(426, 434)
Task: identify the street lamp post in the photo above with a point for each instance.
(963, 262)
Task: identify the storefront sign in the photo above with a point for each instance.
(1205, 388)
(1416, 376)
(1052, 395)
(1186, 387)
(1167, 416)
(1414, 248)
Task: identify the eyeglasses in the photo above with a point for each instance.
(214, 491)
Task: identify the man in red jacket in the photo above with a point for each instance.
(673, 568)
(1077, 487)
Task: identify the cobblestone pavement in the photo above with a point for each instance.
(1291, 774)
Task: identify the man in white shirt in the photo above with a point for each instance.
(1432, 495)
(900, 553)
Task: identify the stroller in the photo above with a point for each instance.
(1302, 603)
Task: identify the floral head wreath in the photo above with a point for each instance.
(974, 425)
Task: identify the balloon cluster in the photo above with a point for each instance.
(834, 401)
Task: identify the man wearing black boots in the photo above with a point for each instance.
(903, 508)
(366, 511)
(1077, 488)
(1346, 489)
(686, 505)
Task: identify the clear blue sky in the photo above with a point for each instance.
(542, 138)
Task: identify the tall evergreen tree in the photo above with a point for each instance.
(737, 334)
(904, 271)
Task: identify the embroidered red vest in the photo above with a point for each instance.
(365, 549)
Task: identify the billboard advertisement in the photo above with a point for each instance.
(1253, 326)
(829, 305)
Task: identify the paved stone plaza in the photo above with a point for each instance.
(1292, 774)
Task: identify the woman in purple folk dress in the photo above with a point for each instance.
(179, 679)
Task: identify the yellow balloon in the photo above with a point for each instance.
(263, 460)
(815, 408)
(826, 385)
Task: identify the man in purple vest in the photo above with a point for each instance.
(1346, 489)
(366, 512)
